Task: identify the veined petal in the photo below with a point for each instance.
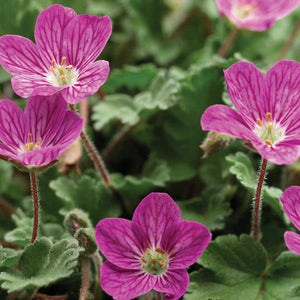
(292, 241)
(69, 130)
(19, 55)
(246, 88)
(117, 242)
(153, 215)
(223, 119)
(280, 154)
(27, 85)
(124, 284)
(85, 38)
(89, 81)
(41, 157)
(45, 115)
(283, 94)
(174, 284)
(185, 241)
(49, 32)
(290, 199)
(7, 152)
(13, 125)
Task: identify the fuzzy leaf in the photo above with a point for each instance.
(9, 257)
(41, 264)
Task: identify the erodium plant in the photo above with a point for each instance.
(155, 247)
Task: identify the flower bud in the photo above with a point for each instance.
(215, 142)
(75, 220)
(86, 239)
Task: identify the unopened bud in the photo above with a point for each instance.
(215, 142)
(86, 239)
(75, 220)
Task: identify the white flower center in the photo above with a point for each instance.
(269, 132)
(243, 10)
(61, 74)
(155, 261)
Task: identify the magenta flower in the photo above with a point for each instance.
(36, 137)
(291, 205)
(256, 15)
(268, 109)
(63, 58)
(150, 252)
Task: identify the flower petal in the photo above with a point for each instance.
(69, 130)
(89, 81)
(49, 32)
(283, 94)
(185, 241)
(85, 37)
(290, 199)
(45, 115)
(124, 284)
(155, 212)
(223, 119)
(19, 55)
(292, 241)
(41, 157)
(13, 125)
(245, 85)
(280, 154)
(32, 84)
(174, 284)
(117, 242)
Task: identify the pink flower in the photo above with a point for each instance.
(36, 137)
(150, 252)
(63, 58)
(291, 205)
(268, 109)
(256, 15)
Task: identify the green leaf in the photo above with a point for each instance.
(87, 193)
(211, 209)
(235, 266)
(5, 175)
(41, 264)
(9, 257)
(131, 77)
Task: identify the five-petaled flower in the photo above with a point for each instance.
(63, 58)
(291, 205)
(268, 108)
(35, 138)
(256, 15)
(150, 252)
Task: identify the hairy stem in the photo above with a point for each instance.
(97, 260)
(289, 42)
(257, 204)
(35, 199)
(230, 39)
(85, 278)
(159, 296)
(94, 155)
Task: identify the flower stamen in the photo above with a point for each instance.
(243, 10)
(155, 261)
(259, 122)
(31, 145)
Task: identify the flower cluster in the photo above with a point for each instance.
(150, 252)
(256, 15)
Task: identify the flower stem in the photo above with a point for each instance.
(159, 296)
(35, 199)
(85, 278)
(95, 156)
(257, 204)
(230, 39)
(289, 42)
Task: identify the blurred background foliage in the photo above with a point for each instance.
(145, 122)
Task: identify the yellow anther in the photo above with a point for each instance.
(162, 262)
(259, 122)
(60, 70)
(147, 251)
(63, 60)
(53, 63)
(268, 143)
(269, 117)
(53, 70)
(159, 250)
(69, 67)
(30, 137)
(143, 259)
